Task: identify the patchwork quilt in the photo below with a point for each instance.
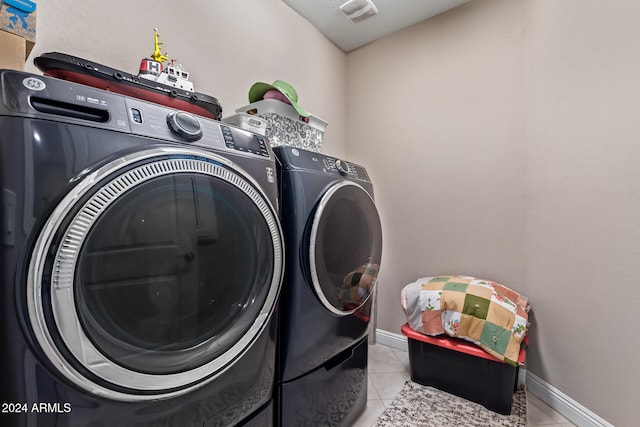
(481, 311)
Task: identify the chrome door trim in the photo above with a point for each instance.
(326, 197)
(156, 163)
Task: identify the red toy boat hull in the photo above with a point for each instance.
(86, 72)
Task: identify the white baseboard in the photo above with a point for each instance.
(560, 402)
(563, 404)
(392, 340)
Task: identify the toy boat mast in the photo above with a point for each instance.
(171, 75)
(157, 54)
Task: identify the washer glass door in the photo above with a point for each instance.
(345, 248)
(157, 275)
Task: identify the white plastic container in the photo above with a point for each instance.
(248, 122)
(285, 126)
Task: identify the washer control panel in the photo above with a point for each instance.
(41, 96)
(158, 121)
(244, 141)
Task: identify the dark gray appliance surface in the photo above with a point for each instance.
(321, 348)
(53, 136)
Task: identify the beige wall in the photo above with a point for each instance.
(436, 113)
(502, 138)
(226, 46)
(583, 200)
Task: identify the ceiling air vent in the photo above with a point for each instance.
(359, 10)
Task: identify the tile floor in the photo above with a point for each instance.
(389, 369)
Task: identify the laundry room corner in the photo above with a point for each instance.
(507, 151)
(444, 140)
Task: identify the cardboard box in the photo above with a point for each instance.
(17, 32)
(12, 51)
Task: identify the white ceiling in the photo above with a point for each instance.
(393, 15)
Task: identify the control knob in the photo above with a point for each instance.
(342, 167)
(185, 125)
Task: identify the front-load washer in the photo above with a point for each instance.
(142, 259)
(334, 247)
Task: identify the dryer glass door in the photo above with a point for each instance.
(345, 248)
(157, 276)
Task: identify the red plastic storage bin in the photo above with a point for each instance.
(462, 368)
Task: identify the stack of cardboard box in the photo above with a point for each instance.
(17, 32)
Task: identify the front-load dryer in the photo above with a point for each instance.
(142, 259)
(333, 237)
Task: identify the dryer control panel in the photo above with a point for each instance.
(297, 158)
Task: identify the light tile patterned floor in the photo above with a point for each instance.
(389, 369)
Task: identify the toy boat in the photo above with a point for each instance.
(167, 85)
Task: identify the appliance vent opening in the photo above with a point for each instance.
(60, 108)
(359, 10)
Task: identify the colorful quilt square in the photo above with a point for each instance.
(482, 282)
(501, 316)
(476, 306)
(470, 327)
(452, 300)
(432, 322)
(430, 299)
(451, 322)
(512, 295)
(519, 328)
(512, 352)
(505, 302)
(495, 337)
(480, 291)
(455, 286)
(433, 286)
(459, 279)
